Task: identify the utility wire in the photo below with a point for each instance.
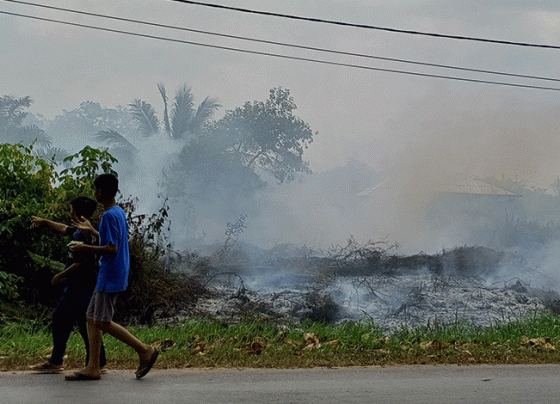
(276, 55)
(347, 24)
(286, 44)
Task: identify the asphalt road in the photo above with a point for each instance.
(400, 384)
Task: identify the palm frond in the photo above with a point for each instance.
(182, 112)
(161, 89)
(145, 116)
(115, 139)
(204, 112)
(53, 153)
(33, 134)
(11, 110)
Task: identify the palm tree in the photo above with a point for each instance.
(12, 129)
(182, 123)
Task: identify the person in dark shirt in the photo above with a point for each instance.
(79, 279)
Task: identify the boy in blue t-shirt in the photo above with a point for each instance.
(112, 279)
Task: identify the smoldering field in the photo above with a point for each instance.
(362, 242)
(371, 238)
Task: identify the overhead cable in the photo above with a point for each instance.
(348, 24)
(276, 55)
(304, 47)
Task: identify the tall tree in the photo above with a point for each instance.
(183, 122)
(238, 154)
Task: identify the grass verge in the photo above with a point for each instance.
(196, 343)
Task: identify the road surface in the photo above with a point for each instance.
(397, 384)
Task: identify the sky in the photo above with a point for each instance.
(420, 128)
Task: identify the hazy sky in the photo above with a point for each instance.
(376, 117)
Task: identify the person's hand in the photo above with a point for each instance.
(77, 247)
(37, 221)
(57, 278)
(83, 224)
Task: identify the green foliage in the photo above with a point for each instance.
(8, 287)
(32, 186)
(91, 162)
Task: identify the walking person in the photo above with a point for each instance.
(78, 278)
(114, 268)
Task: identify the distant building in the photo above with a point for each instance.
(473, 201)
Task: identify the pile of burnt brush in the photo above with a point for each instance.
(373, 258)
(169, 284)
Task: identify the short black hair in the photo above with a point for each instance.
(108, 184)
(84, 206)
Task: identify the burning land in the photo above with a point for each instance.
(476, 285)
(350, 306)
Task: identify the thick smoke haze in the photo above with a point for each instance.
(507, 140)
(386, 143)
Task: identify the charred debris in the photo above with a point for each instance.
(350, 283)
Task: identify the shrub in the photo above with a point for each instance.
(32, 186)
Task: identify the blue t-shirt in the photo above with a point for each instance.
(114, 268)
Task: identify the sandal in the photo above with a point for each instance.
(47, 366)
(145, 367)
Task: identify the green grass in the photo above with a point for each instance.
(197, 343)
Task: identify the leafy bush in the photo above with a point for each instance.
(8, 288)
(32, 186)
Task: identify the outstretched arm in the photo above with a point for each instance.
(37, 221)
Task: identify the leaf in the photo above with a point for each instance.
(182, 112)
(204, 112)
(43, 262)
(115, 139)
(145, 115)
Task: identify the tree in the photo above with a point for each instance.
(12, 129)
(184, 121)
(267, 136)
(77, 127)
(248, 145)
(221, 169)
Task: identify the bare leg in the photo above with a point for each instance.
(96, 330)
(144, 351)
(93, 368)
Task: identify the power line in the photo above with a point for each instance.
(276, 55)
(287, 44)
(347, 24)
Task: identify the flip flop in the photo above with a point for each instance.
(145, 367)
(47, 367)
(80, 376)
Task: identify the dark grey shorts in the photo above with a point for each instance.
(102, 306)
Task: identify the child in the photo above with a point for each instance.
(112, 279)
(79, 279)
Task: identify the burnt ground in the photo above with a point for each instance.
(473, 284)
